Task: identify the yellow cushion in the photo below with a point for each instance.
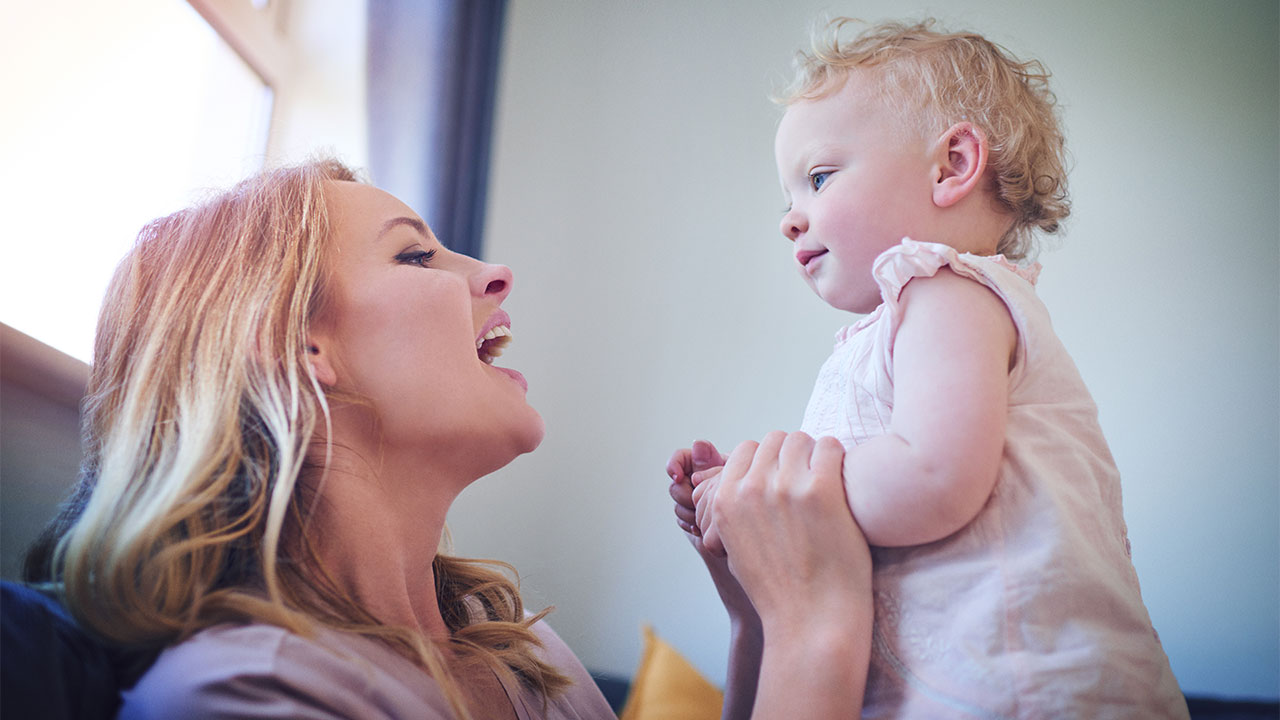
(667, 687)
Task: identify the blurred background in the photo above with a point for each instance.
(618, 156)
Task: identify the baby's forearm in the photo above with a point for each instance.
(902, 494)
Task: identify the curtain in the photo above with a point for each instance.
(433, 70)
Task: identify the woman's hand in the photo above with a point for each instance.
(793, 545)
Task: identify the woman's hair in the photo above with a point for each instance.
(934, 79)
(199, 420)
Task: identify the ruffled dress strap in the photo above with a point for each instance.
(900, 264)
(910, 259)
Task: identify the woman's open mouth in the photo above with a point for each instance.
(490, 345)
(495, 336)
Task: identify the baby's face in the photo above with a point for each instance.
(856, 182)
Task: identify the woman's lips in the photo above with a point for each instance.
(514, 375)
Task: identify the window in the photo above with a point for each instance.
(113, 118)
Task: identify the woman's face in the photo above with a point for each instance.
(405, 329)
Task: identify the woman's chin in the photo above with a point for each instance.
(534, 434)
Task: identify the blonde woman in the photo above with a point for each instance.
(292, 382)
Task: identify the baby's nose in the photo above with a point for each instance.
(794, 225)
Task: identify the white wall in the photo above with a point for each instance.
(635, 197)
(323, 109)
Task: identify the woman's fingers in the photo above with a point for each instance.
(739, 461)
(827, 459)
(794, 457)
(788, 505)
(766, 455)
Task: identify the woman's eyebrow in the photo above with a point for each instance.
(414, 223)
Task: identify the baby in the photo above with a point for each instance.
(916, 166)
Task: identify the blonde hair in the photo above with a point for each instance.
(198, 421)
(934, 79)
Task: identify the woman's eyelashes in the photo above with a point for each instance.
(421, 258)
(818, 178)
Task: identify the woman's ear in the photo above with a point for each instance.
(960, 159)
(320, 354)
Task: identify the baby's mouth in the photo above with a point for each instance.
(805, 256)
(491, 344)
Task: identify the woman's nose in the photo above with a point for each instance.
(794, 224)
(492, 281)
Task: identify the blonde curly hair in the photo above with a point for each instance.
(934, 79)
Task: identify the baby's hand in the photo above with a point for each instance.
(704, 499)
(690, 467)
(687, 468)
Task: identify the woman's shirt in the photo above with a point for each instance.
(259, 670)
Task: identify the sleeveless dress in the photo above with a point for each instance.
(1032, 610)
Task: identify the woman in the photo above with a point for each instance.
(291, 384)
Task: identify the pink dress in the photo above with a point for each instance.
(1032, 610)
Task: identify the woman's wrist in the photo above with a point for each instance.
(816, 669)
(845, 615)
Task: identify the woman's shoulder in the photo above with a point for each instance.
(583, 698)
(256, 670)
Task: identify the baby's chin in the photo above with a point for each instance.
(846, 301)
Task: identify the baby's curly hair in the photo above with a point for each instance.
(934, 79)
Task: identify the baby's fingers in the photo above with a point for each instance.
(702, 476)
(702, 499)
(680, 466)
(686, 516)
(705, 497)
(705, 455)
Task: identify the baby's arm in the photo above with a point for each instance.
(933, 471)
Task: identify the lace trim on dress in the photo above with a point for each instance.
(911, 259)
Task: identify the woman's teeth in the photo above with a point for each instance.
(495, 332)
(490, 346)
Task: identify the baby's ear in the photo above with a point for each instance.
(960, 159)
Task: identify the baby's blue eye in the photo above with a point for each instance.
(818, 179)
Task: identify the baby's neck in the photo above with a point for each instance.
(977, 245)
(973, 227)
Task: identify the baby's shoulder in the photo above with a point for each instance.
(910, 260)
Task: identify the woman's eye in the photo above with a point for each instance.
(818, 179)
(421, 258)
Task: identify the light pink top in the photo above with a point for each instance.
(1032, 610)
(257, 671)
